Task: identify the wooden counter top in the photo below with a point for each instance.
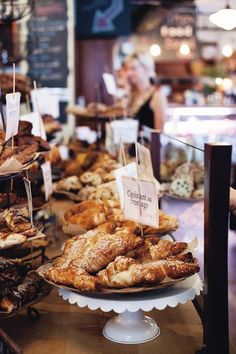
(68, 329)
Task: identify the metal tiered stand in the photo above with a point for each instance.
(32, 312)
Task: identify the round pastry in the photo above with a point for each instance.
(90, 178)
(87, 193)
(71, 184)
(182, 186)
(198, 193)
(108, 177)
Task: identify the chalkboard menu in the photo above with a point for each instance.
(177, 27)
(47, 43)
(106, 18)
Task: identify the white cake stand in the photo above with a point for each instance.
(131, 326)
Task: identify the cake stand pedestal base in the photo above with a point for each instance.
(131, 328)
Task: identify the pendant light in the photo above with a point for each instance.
(224, 18)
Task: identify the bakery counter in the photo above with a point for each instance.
(69, 329)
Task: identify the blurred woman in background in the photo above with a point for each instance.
(146, 101)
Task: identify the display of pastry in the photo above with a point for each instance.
(29, 289)
(95, 249)
(112, 256)
(17, 220)
(182, 186)
(22, 84)
(11, 273)
(22, 154)
(127, 272)
(82, 162)
(155, 249)
(10, 240)
(69, 184)
(88, 214)
(51, 124)
(26, 138)
(106, 191)
(87, 193)
(87, 254)
(187, 181)
(167, 223)
(90, 179)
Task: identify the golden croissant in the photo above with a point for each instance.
(94, 250)
(128, 272)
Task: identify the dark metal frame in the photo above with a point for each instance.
(212, 304)
(9, 345)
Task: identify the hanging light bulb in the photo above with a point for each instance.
(219, 81)
(227, 51)
(155, 50)
(184, 49)
(224, 18)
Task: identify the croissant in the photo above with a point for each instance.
(93, 251)
(128, 272)
(186, 258)
(167, 223)
(155, 249)
(71, 276)
(88, 214)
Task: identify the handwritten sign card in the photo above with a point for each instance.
(128, 170)
(140, 201)
(12, 114)
(126, 129)
(145, 169)
(37, 122)
(47, 178)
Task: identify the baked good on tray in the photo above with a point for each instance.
(11, 273)
(188, 181)
(69, 184)
(22, 154)
(167, 223)
(31, 287)
(90, 179)
(11, 239)
(90, 253)
(128, 272)
(88, 214)
(113, 256)
(155, 249)
(93, 212)
(17, 221)
(95, 249)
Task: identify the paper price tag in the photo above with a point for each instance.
(145, 169)
(48, 102)
(47, 178)
(37, 122)
(12, 114)
(128, 170)
(27, 183)
(126, 129)
(140, 201)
